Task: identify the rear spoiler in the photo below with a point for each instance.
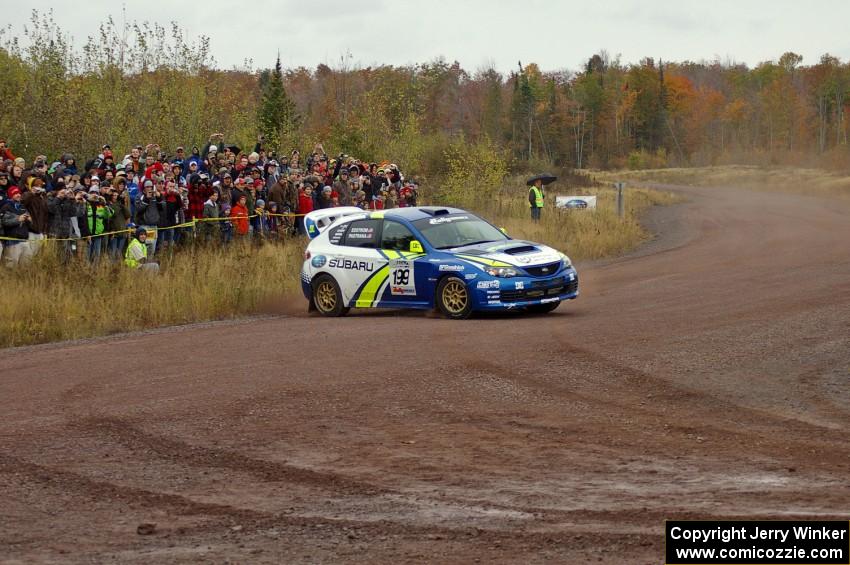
(318, 221)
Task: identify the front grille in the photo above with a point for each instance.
(540, 289)
(543, 270)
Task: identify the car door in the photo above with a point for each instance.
(359, 267)
(407, 276)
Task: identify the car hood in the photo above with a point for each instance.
(515, 252)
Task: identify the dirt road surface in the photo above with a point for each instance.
(706, 376)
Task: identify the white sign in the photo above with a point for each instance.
(401, 278)
(575, 202)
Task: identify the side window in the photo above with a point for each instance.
(336, 234)
(363, 233)
(396, 236)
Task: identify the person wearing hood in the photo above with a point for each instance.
(68, 166)
(150, 206)
(199, 191)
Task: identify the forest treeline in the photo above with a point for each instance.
(138, 83)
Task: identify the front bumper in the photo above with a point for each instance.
(493, 293)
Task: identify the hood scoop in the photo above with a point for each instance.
(519, 250)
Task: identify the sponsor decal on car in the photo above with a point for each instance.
(319, 261)
(487, 284)
(348, 264)
(572, 276)
(401, 291)
(451, 267)
(445, 220)
(519, 285)
(547, 300)
(470, 276)
(494, 302)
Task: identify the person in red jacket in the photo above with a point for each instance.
(199, 191)
(5, 152)
(305, 206)
(239, 217)
(152, 166)
(305, 200)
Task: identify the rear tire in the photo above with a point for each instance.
(453, 298)
(543, 308)
(327, 298)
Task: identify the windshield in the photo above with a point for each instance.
(458, 230)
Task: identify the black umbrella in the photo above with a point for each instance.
(545, 177)
(233, 148)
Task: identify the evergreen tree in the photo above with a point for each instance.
(277, 119)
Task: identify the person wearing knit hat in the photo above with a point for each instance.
(16, 221)
(136, 256)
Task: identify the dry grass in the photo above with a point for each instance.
(47, 301)
(581, 234)
(815, 182)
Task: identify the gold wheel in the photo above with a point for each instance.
(325, 296)
(455, 297)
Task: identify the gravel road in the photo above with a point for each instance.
(705, 376)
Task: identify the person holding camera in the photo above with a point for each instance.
(98, 214)
(65, 207)
(16, 222)
(150, 206)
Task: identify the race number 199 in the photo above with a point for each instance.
(402, 282)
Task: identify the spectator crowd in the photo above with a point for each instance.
(215, 195)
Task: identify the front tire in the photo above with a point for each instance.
(453, 298)
(327, 298)
(543, 308)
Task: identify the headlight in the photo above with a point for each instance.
(565, 261)
(505, 272)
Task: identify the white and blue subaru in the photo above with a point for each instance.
(428, 257)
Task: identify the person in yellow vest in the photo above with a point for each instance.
(535, 199)
(136, 256)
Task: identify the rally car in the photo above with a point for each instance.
(430, 257)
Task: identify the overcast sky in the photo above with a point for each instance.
(554, 34)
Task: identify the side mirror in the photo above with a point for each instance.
(416, 247)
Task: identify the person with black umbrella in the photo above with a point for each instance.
(536, 195)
